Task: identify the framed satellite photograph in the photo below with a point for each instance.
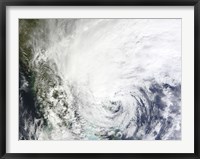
(99, 79)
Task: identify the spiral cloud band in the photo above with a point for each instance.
(100, 79)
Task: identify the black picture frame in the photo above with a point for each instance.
(4, 3)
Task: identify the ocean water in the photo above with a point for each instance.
(101, 79)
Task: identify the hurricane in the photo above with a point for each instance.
(99, 79)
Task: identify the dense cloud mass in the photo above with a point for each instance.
(100, 79)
